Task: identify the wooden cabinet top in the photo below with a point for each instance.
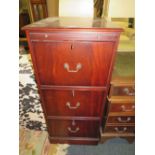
(72, 23)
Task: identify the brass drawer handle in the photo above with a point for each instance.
(73, 131)
(78, 67)
(68, 104)
(120, 131)
(127, 110)
(124, 121)
(126, 90)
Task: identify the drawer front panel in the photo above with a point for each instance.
(122, 108)
(120, 129)
(72, 103)
(82, 36)
(73, 63)
(71, 128)
(121, 119)
(122, 91)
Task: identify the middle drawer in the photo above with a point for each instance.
(122, 108)
(72, 103)
(120, 119)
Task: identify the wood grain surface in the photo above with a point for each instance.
(68, 59)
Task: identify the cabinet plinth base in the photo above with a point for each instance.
(74, 140)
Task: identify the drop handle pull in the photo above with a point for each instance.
(124, 121)
(120, 131)
(78, 67)
(127, 110)
(73, 130)
(127, 91)
(68, 104)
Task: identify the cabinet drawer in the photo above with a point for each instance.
(121, 119)
(73, 128)
(73, 63)
(124, 108)
(47, 36)
(72, 103)
(120, 129)
(81, 36)
(122, 91)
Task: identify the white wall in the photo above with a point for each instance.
(76, 8)
(121, 8)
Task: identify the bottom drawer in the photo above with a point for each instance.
(106, 136)
(73, 128)
(120, 129)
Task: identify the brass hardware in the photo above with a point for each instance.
(78, 67)
(120, 131)
(73, 123)
(72, 46)
(46, 35)
(68, 104)
(73, 93)
(124, 121)
(126, 90)
(127, 110)
(73, 131)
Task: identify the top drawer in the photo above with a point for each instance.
(122, 91)
(76, 63)
(82, 36)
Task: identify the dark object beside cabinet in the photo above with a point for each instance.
(73, 66)
(120, 117)
(24, 19)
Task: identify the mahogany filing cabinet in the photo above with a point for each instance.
(73, 60)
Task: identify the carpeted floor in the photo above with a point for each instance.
(30, 111)
(34, 142)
